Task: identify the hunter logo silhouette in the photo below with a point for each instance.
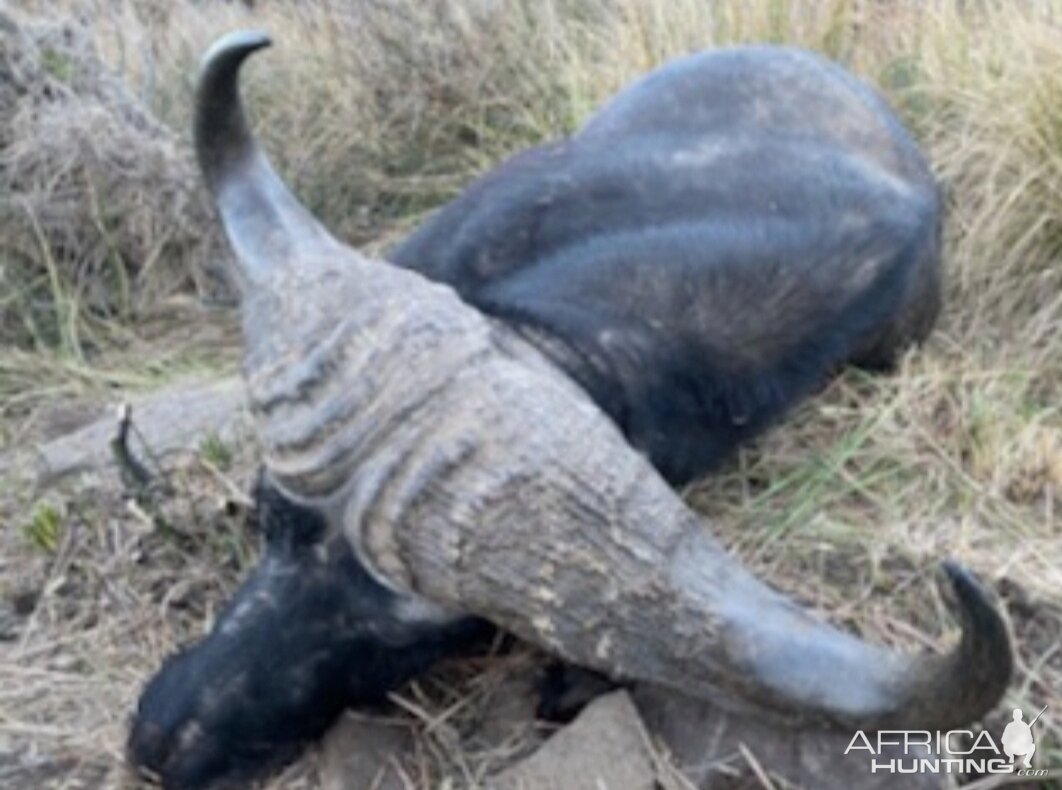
(1018, 738)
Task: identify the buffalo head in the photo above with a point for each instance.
(427, 462)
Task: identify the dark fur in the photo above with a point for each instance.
(307, 635)
(696, 300)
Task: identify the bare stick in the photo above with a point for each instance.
(136, 475)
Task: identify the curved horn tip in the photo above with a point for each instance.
(973, 597)
(986, 649)
(235, 46)
(961, 578)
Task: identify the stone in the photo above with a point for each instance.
(508, 715)
(365, 753)
(176, 418)
(604, 748)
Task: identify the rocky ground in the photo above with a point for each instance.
(105, 577)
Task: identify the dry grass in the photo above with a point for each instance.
(377, 111)
(102, 215)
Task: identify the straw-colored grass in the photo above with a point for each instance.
(377, 111)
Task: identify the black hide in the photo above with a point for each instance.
(712, 246)
(307, 635)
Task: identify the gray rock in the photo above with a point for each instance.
(605, 748)
(175, 418)
(364, 753)
(507, 718)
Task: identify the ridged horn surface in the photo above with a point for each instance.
(467, 469)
